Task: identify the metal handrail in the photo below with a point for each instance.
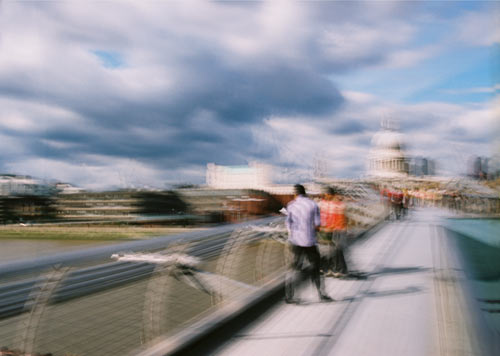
(102, 252)
(88, 280)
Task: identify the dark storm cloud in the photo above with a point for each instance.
(249, 96)
(352, 126)
(175, 150)
(183, 148)
(234, 95)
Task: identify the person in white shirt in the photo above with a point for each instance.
(302, 221)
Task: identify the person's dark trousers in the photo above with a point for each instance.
(338, 260)
(325, 250)
(313, 257)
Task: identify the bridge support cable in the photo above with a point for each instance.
(37, 303)
(233, 280)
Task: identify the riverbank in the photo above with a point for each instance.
(87, 233)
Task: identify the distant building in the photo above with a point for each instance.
(11, 184)
(66, 188)
(254, 176)
(387, 158)
(420, 166)
(478, 167)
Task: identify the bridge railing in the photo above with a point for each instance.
(122, 299)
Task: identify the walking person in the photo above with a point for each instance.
(327, 209)
(338, 227)
(303, 220)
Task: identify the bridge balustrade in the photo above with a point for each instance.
(129, 298)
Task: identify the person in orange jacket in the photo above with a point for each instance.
(334, 228)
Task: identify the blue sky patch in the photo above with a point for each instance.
(458, 75)
(109, 59)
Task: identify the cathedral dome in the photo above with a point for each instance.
(388, 140)
(387, 157)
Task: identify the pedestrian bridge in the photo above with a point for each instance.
(219, 291)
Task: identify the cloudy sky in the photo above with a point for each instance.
(119, 94)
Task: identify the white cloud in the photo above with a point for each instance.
(104, 172)
(358, 97)
(476, 90)
(30, 116)
(410, 57)
(350, 42)
(479, 28)
(297, 142)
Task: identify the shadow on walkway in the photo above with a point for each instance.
(400, 270)
(385, 293)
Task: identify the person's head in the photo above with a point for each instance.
(299, 189)
(332, 191)
(336, 193)
(329, 192)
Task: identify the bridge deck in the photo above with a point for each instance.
(408, 303)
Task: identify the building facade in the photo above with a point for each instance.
(11, 184)
(254, 176)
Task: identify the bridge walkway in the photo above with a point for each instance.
(404, 299)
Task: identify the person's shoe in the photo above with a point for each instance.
(330, 274)
(292, 301)
(326, 298)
